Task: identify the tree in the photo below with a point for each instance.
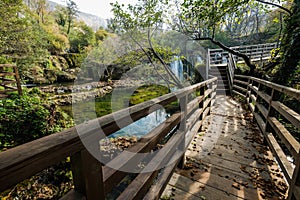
(60, 15)
(290, 50)
(140, 23)
(81, 37)
(101, 34)
(72, 11)
(201, 18)
(20, 34)
(39, 7)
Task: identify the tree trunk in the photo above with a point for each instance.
(290, 48)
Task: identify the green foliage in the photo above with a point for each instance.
(101, 34)
(81, 38)
(148, 92)
(28, 117)
(288, 72)
(20, 33)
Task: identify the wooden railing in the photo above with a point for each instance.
(95, 181)
(7, 71)
(267, 103)
(255, 52)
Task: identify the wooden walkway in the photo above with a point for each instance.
(227, 160)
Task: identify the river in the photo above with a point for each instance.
(117, 100)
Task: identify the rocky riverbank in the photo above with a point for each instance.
(73, 93)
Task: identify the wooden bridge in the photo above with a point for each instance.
(224, 149)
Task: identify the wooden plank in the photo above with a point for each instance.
(37, 155)
(143, 181)
(175, 194)
(240, 88)
(251, 106)
(147, 142)
(296, 192)
(286, 90)
(264, 96)
(285, 165)
(3, 74)
(207, 92)
(260, 122)
(160, 184)
(77, 173)
(73, 195)
(8, 87)
(194, 104)
(199, 189)
(221, 183)
(241, 82)
(92, 171)
(7, 65)
(288, 113)
(17, 77)
(262, 109)
(23, 161)
(285, 136)
(253, 88)
(138, 187)
(6, 91)
(6, 79)
(238, 93)
(7, 82)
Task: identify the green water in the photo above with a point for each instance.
(121, 98)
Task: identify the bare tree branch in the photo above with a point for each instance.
(276, 5)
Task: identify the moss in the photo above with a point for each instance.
(148, 92)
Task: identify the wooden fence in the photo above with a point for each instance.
(94, 181)
(9, 77)
(255, 52)
(267, 102)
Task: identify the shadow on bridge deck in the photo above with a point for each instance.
(227, 160)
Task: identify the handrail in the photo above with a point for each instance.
(231, 66)
(256, 52)
(264, 98)
(6, 82)
(95, 181)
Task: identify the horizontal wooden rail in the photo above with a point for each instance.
(9, 84)
(95, 181)
(266, 101)
(256, 52)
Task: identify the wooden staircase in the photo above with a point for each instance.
(220, 71)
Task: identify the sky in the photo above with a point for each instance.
(100, 8)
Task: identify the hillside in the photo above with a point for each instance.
(91, 20)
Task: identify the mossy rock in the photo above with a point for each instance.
(147, 92)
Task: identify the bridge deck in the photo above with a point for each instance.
(227, 160)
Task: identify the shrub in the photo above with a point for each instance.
(28, 117)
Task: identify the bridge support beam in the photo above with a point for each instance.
(87, 175)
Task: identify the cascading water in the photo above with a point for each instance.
(177, 68)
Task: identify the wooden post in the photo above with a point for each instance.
(294, 186)
(201, 104)
(87, 175)
(207, 64)
(17, 77)
(210, 86)
(248, 92)
(257, 97)
(182, 129)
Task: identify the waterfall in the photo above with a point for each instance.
(177, 68)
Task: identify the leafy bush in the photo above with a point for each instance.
(28, 117)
